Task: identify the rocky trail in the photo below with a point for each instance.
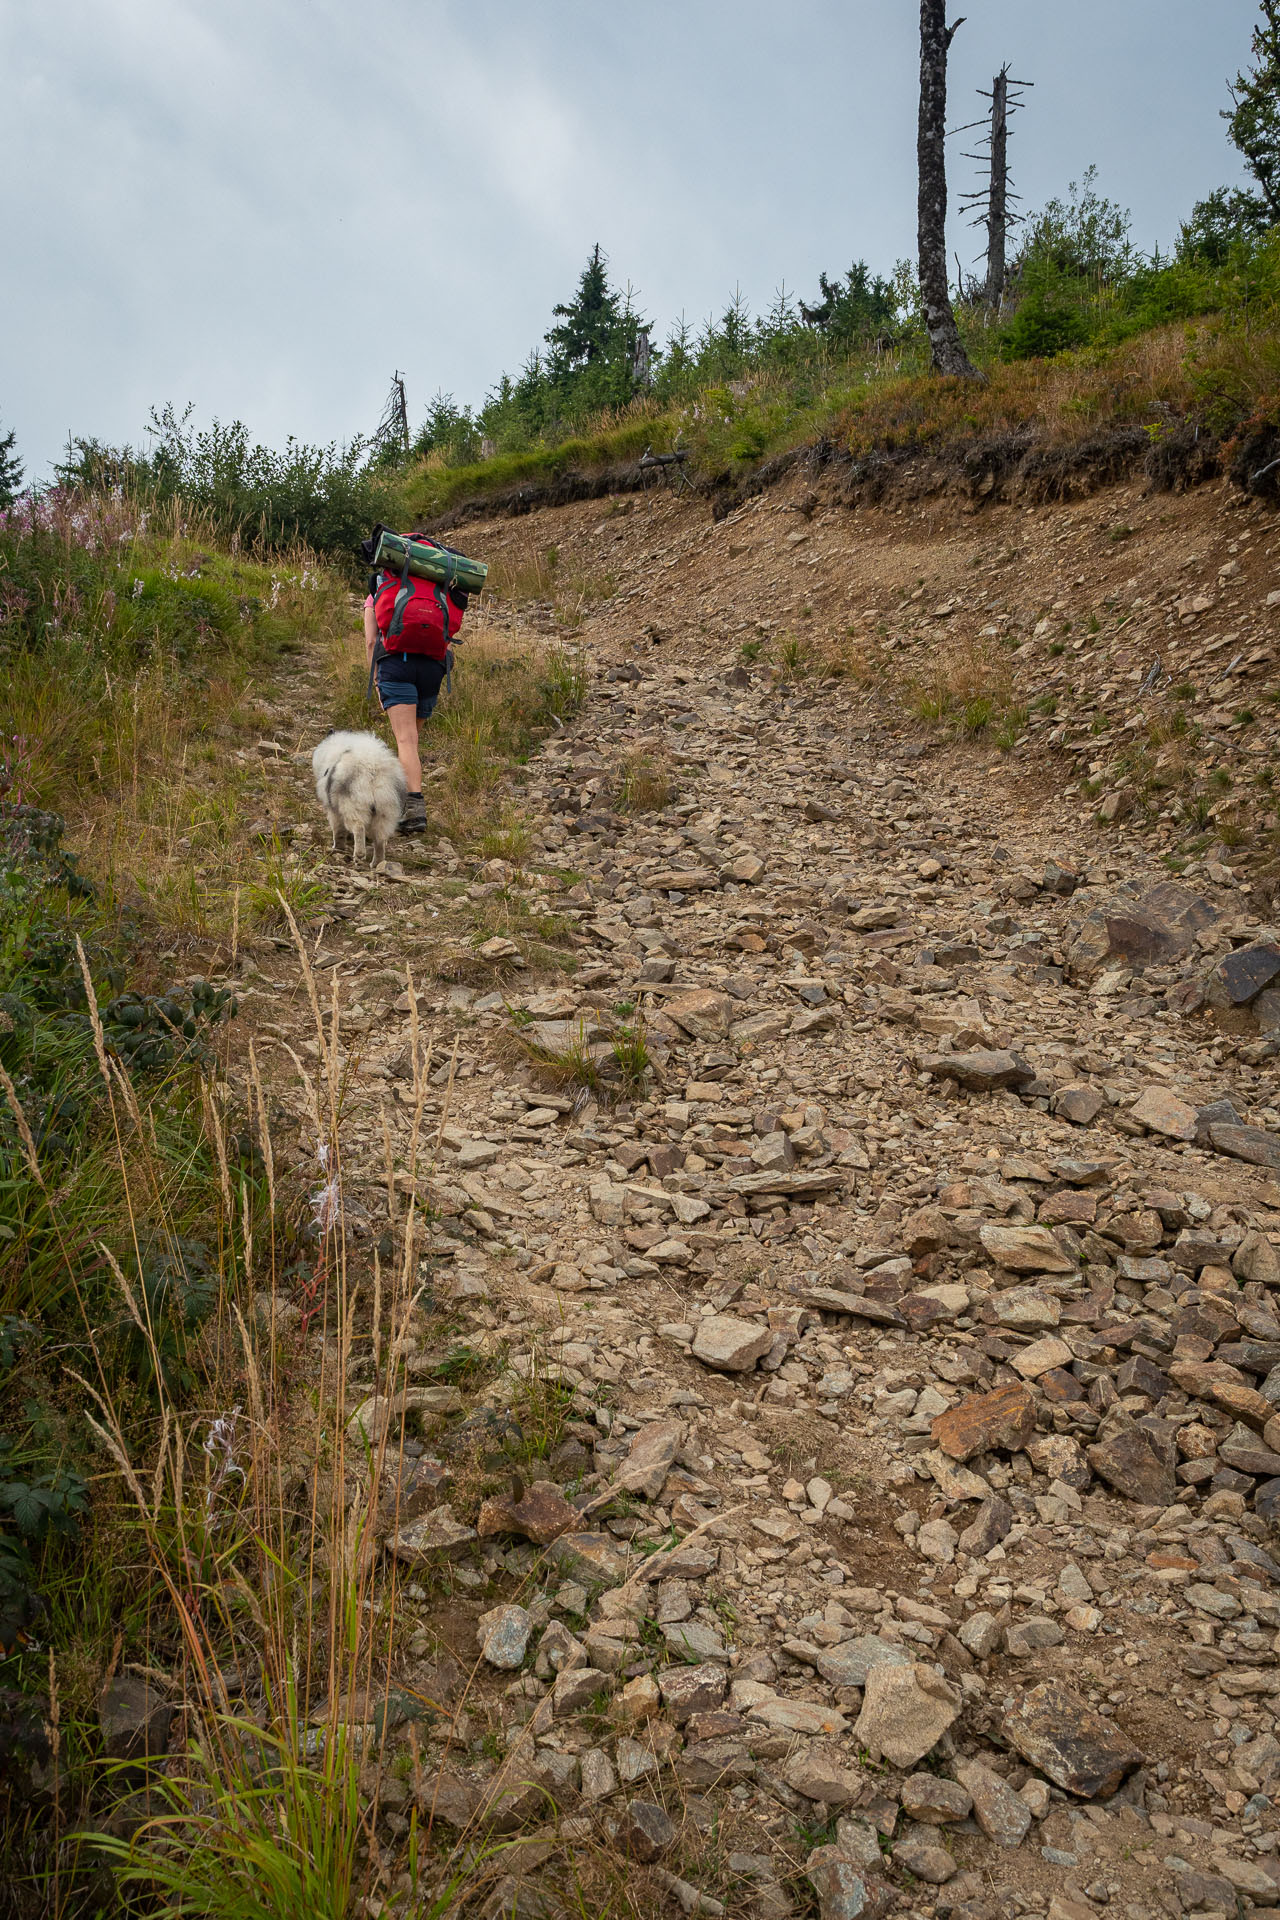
(909, 1543)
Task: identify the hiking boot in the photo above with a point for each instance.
(414, 817)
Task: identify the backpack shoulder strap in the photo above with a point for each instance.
(403, 598)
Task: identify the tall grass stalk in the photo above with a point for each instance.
(263, 1536)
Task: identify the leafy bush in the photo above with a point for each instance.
(261, 498)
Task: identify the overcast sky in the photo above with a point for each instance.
(265, 207)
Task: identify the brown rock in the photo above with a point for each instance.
(924, 1858)
(935, 1801)
(539, 1512)
(1073, 1207)
(134, 1719)
(688, 1690)
(1243, 1450)
(703, 1013)
(577, 1688)
(1242, 1403)
(1025, 1249)
(1157, 926)
(1061, 1458)
(1004, 1418)
(1060, 1734)
(905, 1712)
(982, 1071)
(1256, 1259)
(998, 1810)
(715, 1763)
(649, 1458)
(1244, 974)
(1042, 1356)
(819, 1773)
(1160, 1111)
(1079, 1103)
(1136, 1465)
(1259, 1148)
(988, 1528)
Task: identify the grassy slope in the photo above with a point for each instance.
(1218, 371)
(144, 1208)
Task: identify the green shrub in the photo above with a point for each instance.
(263, 499)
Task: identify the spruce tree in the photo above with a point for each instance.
(1254, 119)
(592, 323)
(10, 469)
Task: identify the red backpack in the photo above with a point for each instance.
(415, 616)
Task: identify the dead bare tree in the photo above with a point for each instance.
(392, 429)
(991, 203)
(936, 36)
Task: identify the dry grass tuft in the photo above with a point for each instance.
(645, 781)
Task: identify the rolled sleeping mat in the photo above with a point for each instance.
(441, 564)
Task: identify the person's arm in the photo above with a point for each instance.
(370, 629)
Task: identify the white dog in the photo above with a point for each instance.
(361, 786)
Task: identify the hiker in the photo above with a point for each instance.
(410, 669)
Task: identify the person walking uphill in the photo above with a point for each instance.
(408, 625)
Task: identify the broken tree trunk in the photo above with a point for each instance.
(998, 194)
(949, 355)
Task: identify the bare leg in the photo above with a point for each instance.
(406, 726)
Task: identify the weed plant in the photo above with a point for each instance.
(136, 658)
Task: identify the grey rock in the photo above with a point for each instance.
(504, 1637)
(925, 1859)
(695, 1640)
(437, 1536)
(598, 1777)
(858, 1840)
(645, 1832)
(848, 1663)
(730, 1345)
(980, 1635)
(1033, 1635)
(134, 1718)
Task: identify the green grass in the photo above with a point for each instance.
(434, 489)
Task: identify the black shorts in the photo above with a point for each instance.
(409, 680)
